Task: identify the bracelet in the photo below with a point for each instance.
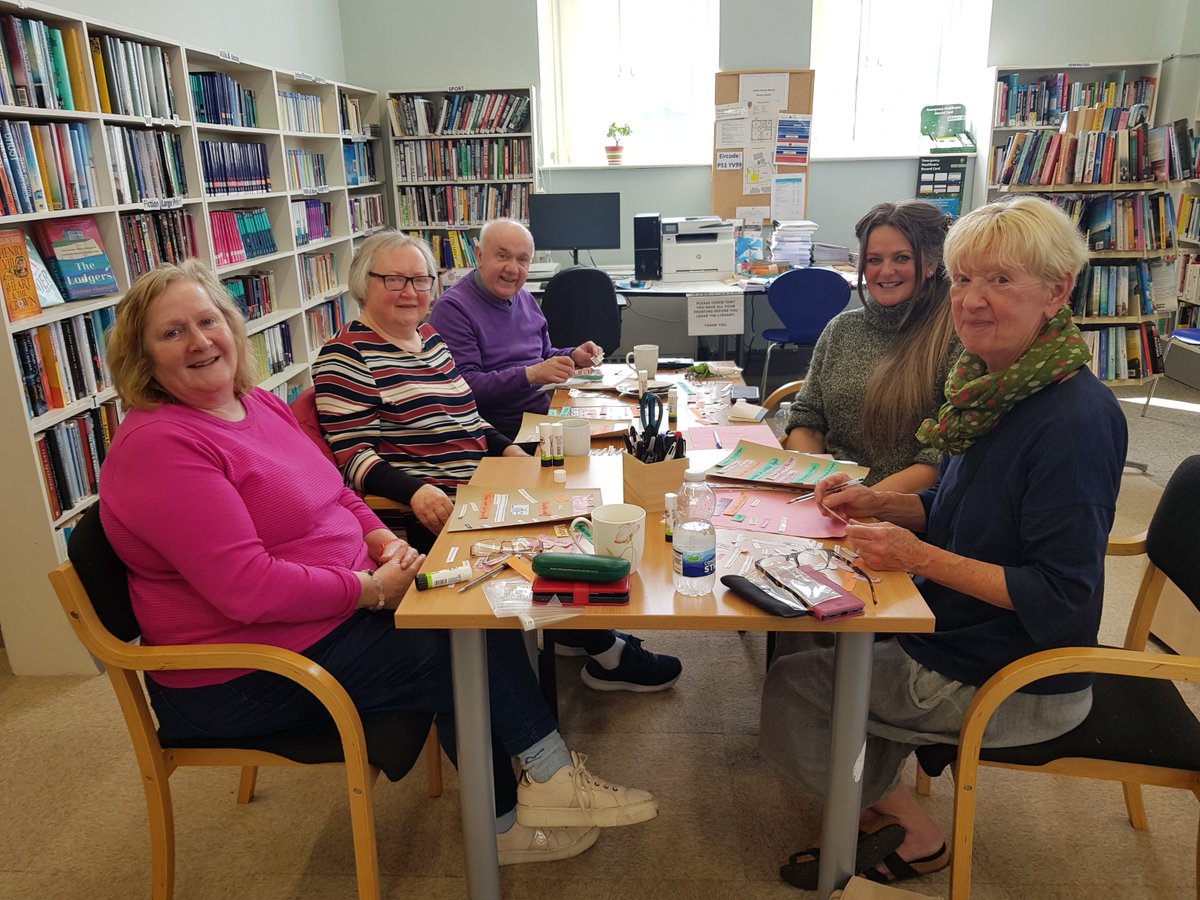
(378, 590)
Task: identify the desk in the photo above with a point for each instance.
(653, 605)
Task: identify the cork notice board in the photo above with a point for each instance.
(738, 170)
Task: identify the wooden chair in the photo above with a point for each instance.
(782, 392)
(1140, 730)
(93, 591)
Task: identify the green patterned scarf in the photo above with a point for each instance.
(977, 398)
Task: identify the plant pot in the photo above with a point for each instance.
(614, 154)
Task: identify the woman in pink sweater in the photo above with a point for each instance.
(235, 528)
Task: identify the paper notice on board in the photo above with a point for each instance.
(757, 174)
(716, 314)
(764, 90)
(729, 159)
(791, 139)
(733, 133)
(732, 111)
(752, 215)
(787, 197)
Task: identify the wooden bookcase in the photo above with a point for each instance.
(459, 158)
(309, 278)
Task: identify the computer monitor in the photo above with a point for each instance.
(575, 222)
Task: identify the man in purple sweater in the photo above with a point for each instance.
(497, 334)
(500, 343)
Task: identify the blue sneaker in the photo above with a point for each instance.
(639, 670)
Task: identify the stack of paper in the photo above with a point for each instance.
(829, 254)
(792, 242)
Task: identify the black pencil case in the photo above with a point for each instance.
(748, 590)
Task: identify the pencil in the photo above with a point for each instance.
(832, 490)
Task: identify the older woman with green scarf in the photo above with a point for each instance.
(1007, 548)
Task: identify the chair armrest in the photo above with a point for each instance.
(1128, 545)
(782, 392)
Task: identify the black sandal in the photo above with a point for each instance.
(902, 870)
(874, 846)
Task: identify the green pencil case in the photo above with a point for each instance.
(580, 567)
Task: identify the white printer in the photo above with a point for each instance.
(696, 248)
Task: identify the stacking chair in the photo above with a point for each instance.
(1140, 730)
(1188, 336)
(94, 593)
(804, 300)
(580, 305)
(783, 392)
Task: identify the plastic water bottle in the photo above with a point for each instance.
(782, 415)
(694, 549)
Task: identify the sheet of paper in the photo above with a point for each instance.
(764, 89)
(729, 160)
(716, 313)
(792, 134)
(720, 437)
(787, 197)
(478, 509)
(758, 174)
(733, 126)
(752, 215)
(769, 512)
(775, 465)
(601, 426)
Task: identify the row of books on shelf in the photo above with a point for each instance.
(272, 349)
(46, 167)
(359, 159)
(63, 260)
(153, 239)
(1046, 99)
(235, 167)
(1188, 280)
(64, 361)
(1125, 156)
(461, 205)
(220, 100)
(464, 159)
(351, 119)
(1189, 217)
(1135, 222)
(146, 164)
(1114, 291)
(452, 249)
(306, 169)
(1123, 352)
(241, 234)
(134, 79)
(41, 66)
(252, 293)
(71, 452)
(327, 319)
(301, 112)
(489, 112)
(311, 221)
(366, 212)
(318, 274)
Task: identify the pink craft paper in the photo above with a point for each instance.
(704, 437)
(804, 519)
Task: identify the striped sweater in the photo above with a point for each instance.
(381, 404)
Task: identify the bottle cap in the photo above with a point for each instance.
(669, 500)
(560, 476)
(693, 475)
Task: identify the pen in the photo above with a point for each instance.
(484, 577)
(717, 441)
(832, 490)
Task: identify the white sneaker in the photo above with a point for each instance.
(574, 796)
(524, 843)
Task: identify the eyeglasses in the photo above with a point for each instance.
(495, 552)
(420, 283)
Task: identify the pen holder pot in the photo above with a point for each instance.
(646, 483)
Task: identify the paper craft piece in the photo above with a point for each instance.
(777, 466)
(773, 515)
(478, 509)
(601, 427)
(726, 437)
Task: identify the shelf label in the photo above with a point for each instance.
(346, 132)
(322, 189)
(1079, 65)
(152, 203)
(303, 76)
(172, 203)
(456, 87)
(148, 120)
(175, 120)
(228, 56)
(309, 191)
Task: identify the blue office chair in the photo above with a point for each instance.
(805, 300)
(580, 304)
(1188, 336)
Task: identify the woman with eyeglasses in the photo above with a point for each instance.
(402, 424)
(235, 528)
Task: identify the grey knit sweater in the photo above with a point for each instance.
(831, 400)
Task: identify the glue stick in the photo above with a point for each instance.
(556, 443)
(544, 441)
(453, 575)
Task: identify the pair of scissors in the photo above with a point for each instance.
(650, 410)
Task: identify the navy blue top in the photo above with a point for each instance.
(1035, 495)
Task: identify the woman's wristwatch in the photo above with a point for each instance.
(378, 590)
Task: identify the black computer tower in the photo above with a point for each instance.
(647, 247)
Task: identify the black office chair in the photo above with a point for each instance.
(580, 304)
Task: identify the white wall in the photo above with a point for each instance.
(283, 34)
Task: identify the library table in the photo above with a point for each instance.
(653, 605)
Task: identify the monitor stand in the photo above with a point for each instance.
(574, 256)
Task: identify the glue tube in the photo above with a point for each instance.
(544, 441)
(442, 577)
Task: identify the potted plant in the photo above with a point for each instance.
(613, 150)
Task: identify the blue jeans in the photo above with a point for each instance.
(381, 668)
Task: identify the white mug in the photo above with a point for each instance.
(643, 358)
(577, 437)
(616, 529)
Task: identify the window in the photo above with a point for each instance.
(878, 62)
(646, 64)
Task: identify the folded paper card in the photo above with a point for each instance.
(777, 466)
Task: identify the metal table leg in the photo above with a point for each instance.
(473, 718)
(851, 696)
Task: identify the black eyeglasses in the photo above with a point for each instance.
(400, 282)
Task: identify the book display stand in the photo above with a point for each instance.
(122, 151)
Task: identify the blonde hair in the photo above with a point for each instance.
(900, 389)
(1026, 233)
(388, 239)
(129, 361)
